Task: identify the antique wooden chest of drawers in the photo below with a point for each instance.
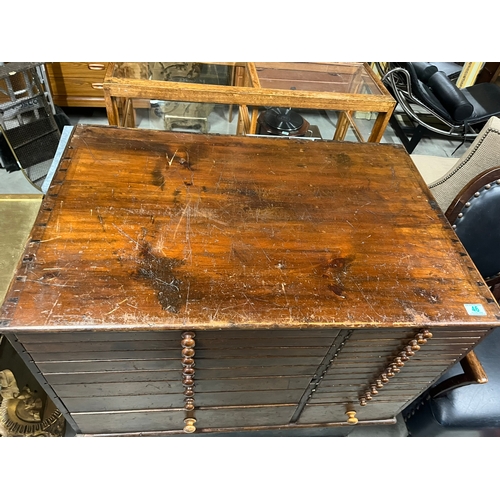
(179, 283)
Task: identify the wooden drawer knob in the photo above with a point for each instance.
(413, 345)
(409, 351)
(189, 426)
(351, 417)
(420, 339)
(188, 352)
(426, 334)
(188, 342)
(188, 370)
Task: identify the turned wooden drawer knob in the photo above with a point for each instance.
(188, 370)
(351, 417)
(188, 342)
(420, 339)
(426, 334)
(188, 352)
(413, 345)
(189, 427)
(187, 362)
(362, 401)
(399, 362)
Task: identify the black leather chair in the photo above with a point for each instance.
(431, 103)
(466, 400)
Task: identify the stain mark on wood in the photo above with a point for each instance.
(161, 273)
(335, 270)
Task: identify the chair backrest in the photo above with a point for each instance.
(419, 76)
(438, 92)
(483, 154)
(474, 216)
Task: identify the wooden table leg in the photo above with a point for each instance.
(342, 126)
(379, 127)
(111, 109)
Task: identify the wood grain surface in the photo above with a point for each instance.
(153, 229)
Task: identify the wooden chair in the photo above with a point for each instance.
(453, 405)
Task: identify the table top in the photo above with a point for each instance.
(151, 229)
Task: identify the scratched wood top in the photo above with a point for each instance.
(152, 229)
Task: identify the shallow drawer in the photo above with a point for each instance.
(84, 86)
(77, 70)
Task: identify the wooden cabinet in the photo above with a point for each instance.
(77, 83)
(185, 282)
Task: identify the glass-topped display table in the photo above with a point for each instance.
(289, 99)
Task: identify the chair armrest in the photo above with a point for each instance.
(473, 374)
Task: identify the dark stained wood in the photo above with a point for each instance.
(298, 275)
(256, 232)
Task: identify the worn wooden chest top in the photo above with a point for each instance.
(180, 282)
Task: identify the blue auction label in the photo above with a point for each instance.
(475, 309)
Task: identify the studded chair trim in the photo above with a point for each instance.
(474, 216)
(484, 153)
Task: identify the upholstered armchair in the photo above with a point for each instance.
(446, 177)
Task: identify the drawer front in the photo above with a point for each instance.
(113, 381)
(377, 373)
(77, 84)
(65, 70)
(132, 381)
(85, 87)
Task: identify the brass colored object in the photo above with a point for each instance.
(22, 412)
(351, 417)
(189, 428)
(427, 334)
(17, 215)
